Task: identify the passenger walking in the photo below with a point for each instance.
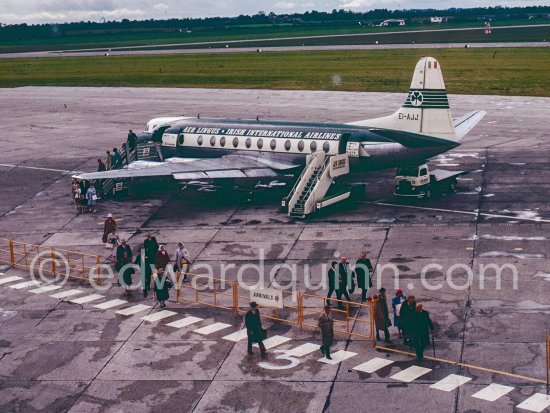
(116, 159)
(420, 329)
(345, 281)
(326, 324)
(183, 259)
(162, 259)
(108, 226)
(101, 167)
(112, 242)
(396, 303)
(76, 193)
(109, 160)
(161, 285)
(123, 258)
(254, 330)
(146, 272)
(405, 319)
(132, 140)
(332, 279)
(382, 316)
(363, 271)
(151, 246)
(91, 197)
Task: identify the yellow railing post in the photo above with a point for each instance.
(300, 310)
(347, 316)
(214, 289)
(235, 288)
(54, 267)
(178, 274)
(12, 254)
(547, 360)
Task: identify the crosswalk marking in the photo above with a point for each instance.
(303, 350)
(25, 284)
(87, 299)
(492, 392)
(110, 304)
(45, 289)
(372, 365)
(212, 328)
(410, 374)
(158, 316)
(536, 403)
(134, 309)
(67, 293)
(10, 279)
(237, 336)
(274, 341)
(338, 357)
(451, 382)
(184, 322)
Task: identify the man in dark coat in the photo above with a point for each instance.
(132, 140)
(346, 281)
(108, 226)
(124, 257)
(254, 329)
(331, 280)
(420, 329)
(326, 324)
(382, 316)
(405, 318)
(363, 271)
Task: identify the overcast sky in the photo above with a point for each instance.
(51, 11)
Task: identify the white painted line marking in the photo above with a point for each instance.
(134, 309)
(338, 357)
(536, 403)
(67, 293)
(274, 341)
(9, 279)
(410, 374)
(237, 336)
(492, 392)
(45, 289)
(110, 304)
(303, 350)
(372, 365)
(25, 284)
(451, 382)
(212, 328)
(158, 316)
(184, 322)
(87, 299)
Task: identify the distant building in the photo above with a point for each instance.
(437, 20)
(392, 22)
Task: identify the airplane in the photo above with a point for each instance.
(195, 149)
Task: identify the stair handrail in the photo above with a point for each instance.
(324, 173)
(313, 161)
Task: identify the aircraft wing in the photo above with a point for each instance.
(464, 124)
(185, 169)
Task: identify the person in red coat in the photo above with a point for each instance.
(162, 259)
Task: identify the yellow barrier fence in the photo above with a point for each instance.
(56, 262)
(299, 309)
(547, 360)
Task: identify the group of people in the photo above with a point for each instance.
(152, 260)
(84, 195)
(343, 280)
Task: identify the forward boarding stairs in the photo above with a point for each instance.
(309, 193)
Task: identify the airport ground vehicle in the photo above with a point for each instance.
(419, 182)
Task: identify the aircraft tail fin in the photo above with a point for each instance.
(426, 109)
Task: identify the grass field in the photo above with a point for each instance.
(466, 71)
(110, 39)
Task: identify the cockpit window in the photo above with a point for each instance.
(408, 171)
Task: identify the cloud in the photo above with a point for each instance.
(285, 5)
(355, 4)
(160, 7)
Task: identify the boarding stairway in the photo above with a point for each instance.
(309, 193)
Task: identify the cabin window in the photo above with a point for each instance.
(313, 146)
(222, 141)
(181, 139)
(326, 147)
(235, 142)
(212, 141)
(301, 146)
(273, 144)
(423, 172)
(287, 145)
(260, 143)
(199, 140)
(248, 143)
